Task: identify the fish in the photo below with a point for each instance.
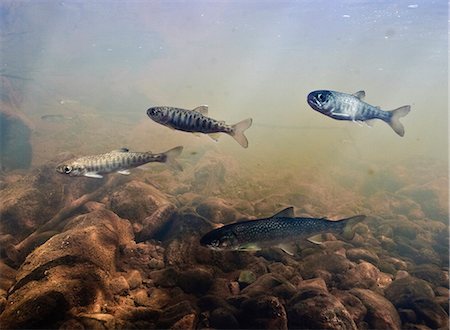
(342, 106)
(119, 161)
(281, 230)
(196, 121)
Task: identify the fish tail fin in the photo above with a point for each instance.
(394, 119)
(170, 157)
(348, 231)
(238, 131)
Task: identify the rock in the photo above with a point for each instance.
(401, 274)
(136, 200)
(70, 270)
(441, 291)
(92, 321)
(166, 278)
(211, 302)
(279, 268)
(431, 313)
(364, 275)
(263, 313)
(407, 315)
(246, 277)
(187, 322)
(140, 298)
(156, 222)
(362, 254)
(354, 306)
(196, 281)
(381, 314)
(431, 273)
(402, 291)
(309, 288)
(234, 288)
(222, 318)
(158, 298)
(332, 263)
(119, 285)
(174, 313)
(134, 279)
(319, 312)
(7, 276)
(218, 210)
(384, 280)
(263, 284)
(209, 175)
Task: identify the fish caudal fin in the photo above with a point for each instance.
(349, 229)
(171, 155)
(394, 119)
(238, 132)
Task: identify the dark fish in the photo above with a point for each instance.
(119, 161)
(280, 230)
(343, 106)
(56, 118)
(196, 121)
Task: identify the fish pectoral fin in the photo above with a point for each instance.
(370, 122)
(93, 175)
(288, 248)
(203, 109)
(124, 172)
(359, 122)
(249, 247)
(214, 136)
(360, 95)
(316, 239)
(288, 212)
(342, 116)
(121, 150)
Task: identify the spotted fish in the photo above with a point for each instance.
(280, 230)
(119, 161)
(343, 106)
(196, 121)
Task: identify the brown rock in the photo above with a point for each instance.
(354, 306)
(134, 279)
(403, 291)
(319, 312)
(362, 254)
(187, 322)
(431, 313)
(364, 275)
(263, 313)
(174, 313)
(381, 314)
(263, 284)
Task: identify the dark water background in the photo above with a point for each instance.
(97, 66)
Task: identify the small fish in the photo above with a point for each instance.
(196, 121)
(56, 118)
(119, 161)
(280, 230)
(343, 106)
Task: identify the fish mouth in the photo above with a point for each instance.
(313, 102)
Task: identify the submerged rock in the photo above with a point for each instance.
(263, 313)
(381, 314)
(319, 312)
(70, 270)
(405, 290)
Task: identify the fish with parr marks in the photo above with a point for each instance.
(342, 106)
(196, 121)
(119, 161)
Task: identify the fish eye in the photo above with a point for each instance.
(321, 97)
(67, 169)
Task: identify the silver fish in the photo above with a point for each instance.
(119, 161)
(196, 121)
(280, 230)
(343, 106)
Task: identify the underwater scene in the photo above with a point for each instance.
(224, 164)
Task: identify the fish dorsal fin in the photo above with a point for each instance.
(288, 248)
(285, 213)
(203, 109)
(121, 150)
(360, 95)
(316, 239)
